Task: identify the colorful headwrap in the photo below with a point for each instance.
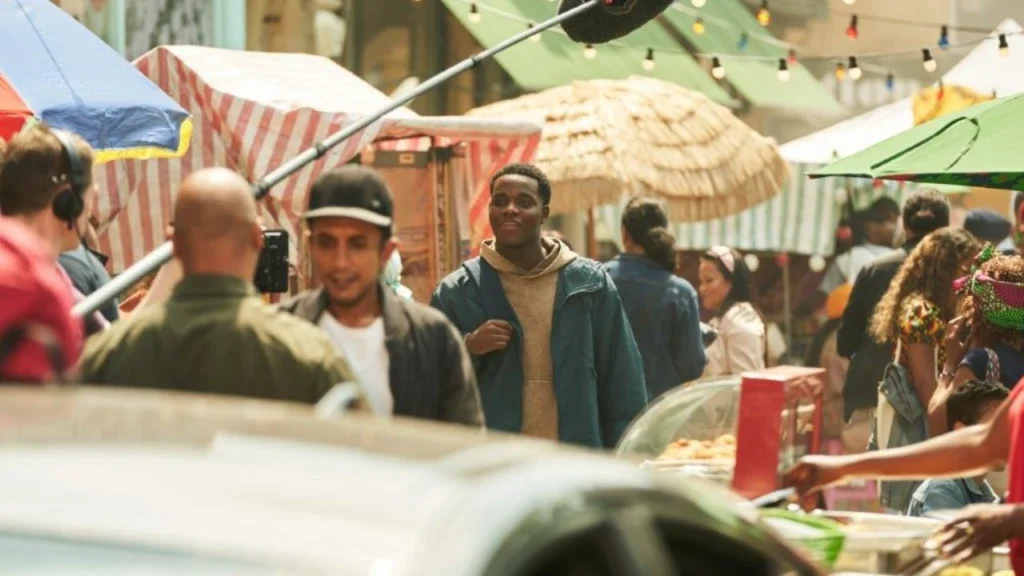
(1001, 303)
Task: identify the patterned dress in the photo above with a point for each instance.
(921, 322)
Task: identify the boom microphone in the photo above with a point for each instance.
(157, 258)
(615, 19)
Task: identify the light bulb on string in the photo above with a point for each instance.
(744, 41)
(717, 70)
(474, 12)
(853, 69)
(699, 3)
(944, 38)
(698, 26)
(840, 71)
(648, 62)
(764, 15)
(589, 52)
(929, 63)
(783, 70)
(535, 37)
(850, 2)
(851, 31)
(890, 82)
(791, 57)
(1004, 46)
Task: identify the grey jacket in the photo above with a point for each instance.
(431, 373)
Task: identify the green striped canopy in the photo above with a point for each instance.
(802, 219)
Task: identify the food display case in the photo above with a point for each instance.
(740, 431)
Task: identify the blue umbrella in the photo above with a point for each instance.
(55, 70)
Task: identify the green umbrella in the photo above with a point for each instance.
(977, 146)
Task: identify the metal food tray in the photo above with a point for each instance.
(887, 544)
(718, 471)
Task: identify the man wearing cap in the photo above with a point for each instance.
(408, 357)
(987, 225)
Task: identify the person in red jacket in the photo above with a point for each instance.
(39, 338)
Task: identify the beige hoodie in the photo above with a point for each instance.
(532, 296)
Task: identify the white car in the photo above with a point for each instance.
(118, 482)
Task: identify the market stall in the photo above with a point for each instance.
(252, 111)
(744, 432)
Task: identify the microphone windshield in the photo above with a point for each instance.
(610, 20)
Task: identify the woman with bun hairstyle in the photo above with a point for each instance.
(661, 307)
(726, 291)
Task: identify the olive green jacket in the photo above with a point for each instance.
(216, 336)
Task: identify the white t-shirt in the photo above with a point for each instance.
(368, 356)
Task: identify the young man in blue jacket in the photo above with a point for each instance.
(553, 351)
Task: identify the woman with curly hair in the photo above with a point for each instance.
(913, 314)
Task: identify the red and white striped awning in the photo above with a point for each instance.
(252, 111)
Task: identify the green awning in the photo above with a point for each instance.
(557, 61)
(756, 80)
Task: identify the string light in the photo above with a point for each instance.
(929, 62)
(944, 38)
(648, 62)
(536, 37)
(764, 16)
(717, 70)
(699, 3)
(783, 70)
(853, 69)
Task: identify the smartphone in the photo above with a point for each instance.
(272, 269)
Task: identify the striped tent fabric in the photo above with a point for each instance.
(802, 219)
(254, 111)
(483, 157)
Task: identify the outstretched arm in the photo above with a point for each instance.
(967, 452)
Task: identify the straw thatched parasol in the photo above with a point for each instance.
(605, 139)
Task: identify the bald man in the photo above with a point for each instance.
(214, 334)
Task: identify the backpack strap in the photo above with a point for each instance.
(492, 295)
(994, 372)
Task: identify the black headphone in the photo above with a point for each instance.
(69, 203)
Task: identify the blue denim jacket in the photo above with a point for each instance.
(950, 494)
(662, 311)
(910, 426)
